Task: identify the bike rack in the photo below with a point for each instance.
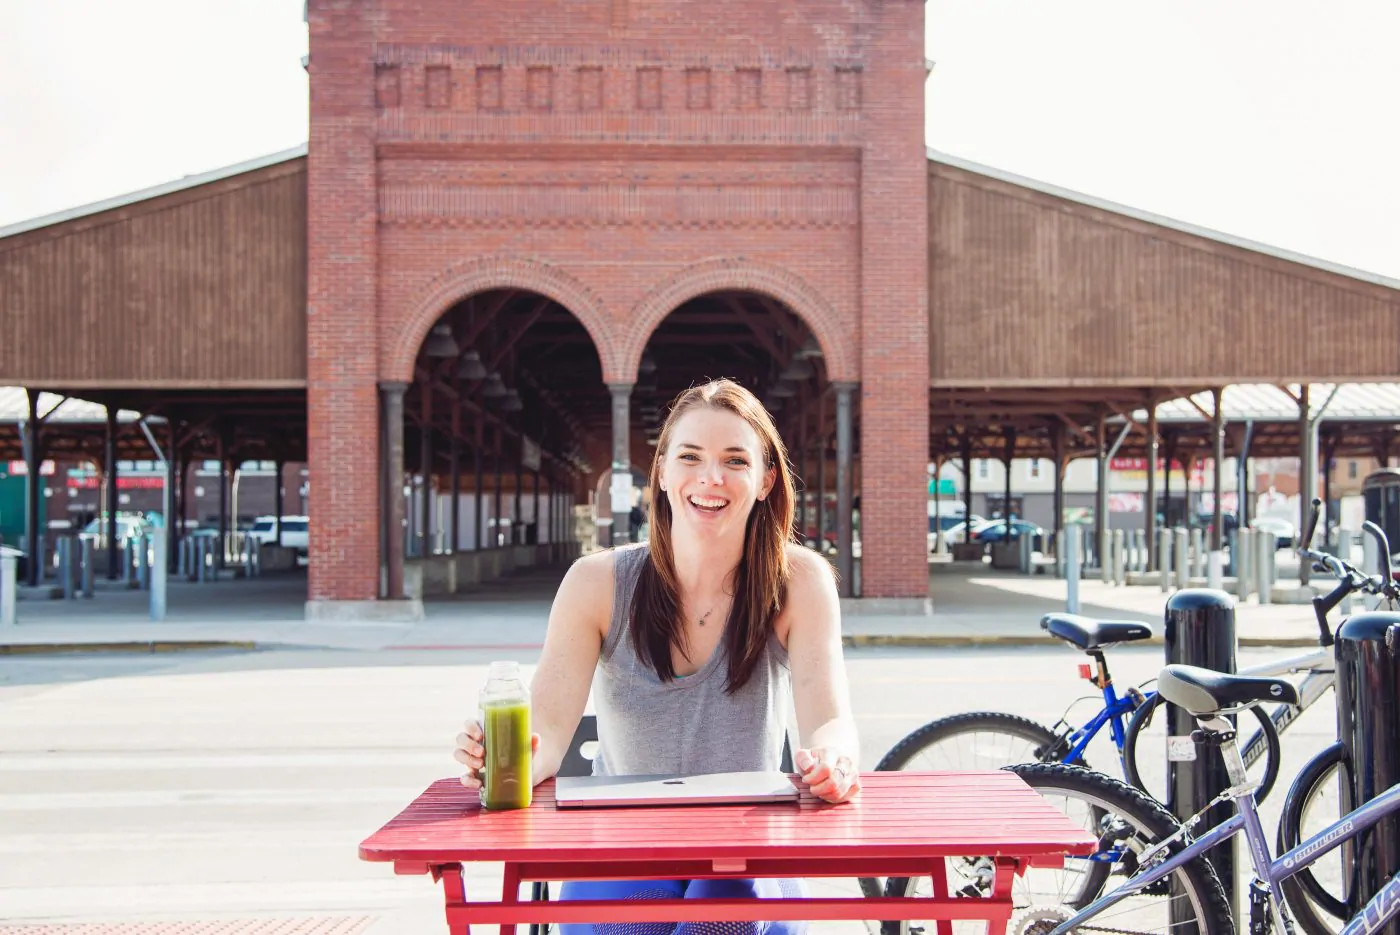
(1200, 631)
(1368, 725)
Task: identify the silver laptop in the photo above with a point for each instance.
(708, 789)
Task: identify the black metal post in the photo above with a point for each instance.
(1199, 631)
(279, 497)
(498, 458)
(621, 459)
(967, 486)
(33, 500)
(114, 552)
(845, 558)
(1368, 723)
(391, 394)
(454, 458)
(479, 539)
(425, 469)
(1217, 519)
(1150, 509)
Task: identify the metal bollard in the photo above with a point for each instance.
(1265, 548)
(1182, 554)
(1199, 631)
(156, 575)
(1120, 559)
(86, 556)
(143, 562)
(1139, 550)
(1368, 721)
(1243, 560)
(1198, 553)
(65, 567)
(9, 570)
(1074, 543)
(1106, 557)
(129, 563)
(1164, 558)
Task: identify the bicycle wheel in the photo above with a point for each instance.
(1127, 823)
(1317, 799)
(1009, 740)
(1262, 768)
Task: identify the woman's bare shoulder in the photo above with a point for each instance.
(587, 590)
(807, 568)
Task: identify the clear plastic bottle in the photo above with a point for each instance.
(505, 719)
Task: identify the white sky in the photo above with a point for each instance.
(1271, 120)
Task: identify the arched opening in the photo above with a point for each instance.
(765, 345)
(498, 439)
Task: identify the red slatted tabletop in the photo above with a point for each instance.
(903, 824)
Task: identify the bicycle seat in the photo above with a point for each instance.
(1204, 692)
(1088, 633)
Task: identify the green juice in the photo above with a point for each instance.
(508, 756)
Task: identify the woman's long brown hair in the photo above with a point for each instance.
(760, 580)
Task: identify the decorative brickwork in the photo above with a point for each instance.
(620, 157)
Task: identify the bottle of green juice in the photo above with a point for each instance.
(505, 719)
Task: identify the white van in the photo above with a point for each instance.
(294, 531)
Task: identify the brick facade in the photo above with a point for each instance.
(620, 157)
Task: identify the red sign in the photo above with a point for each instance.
(93, 482)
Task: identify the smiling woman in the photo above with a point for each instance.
(694, 641)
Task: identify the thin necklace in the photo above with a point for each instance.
(702, 620)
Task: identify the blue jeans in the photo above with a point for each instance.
(687, 889)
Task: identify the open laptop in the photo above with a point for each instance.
(708, 789)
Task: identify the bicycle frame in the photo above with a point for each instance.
(1112, 713)
(1321, 668)
(1382, 907)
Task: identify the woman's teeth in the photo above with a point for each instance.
(709, 504)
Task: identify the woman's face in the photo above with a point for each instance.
(713, 473)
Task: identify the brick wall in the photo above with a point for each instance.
(620, 156)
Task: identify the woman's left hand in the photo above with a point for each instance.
(830, 776)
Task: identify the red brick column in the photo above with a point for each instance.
(894, 307)
(342, 398)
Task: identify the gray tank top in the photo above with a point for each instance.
(685, 726)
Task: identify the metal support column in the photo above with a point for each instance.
(845, 559)
(1008, 453)
(1307, 471)
(1057, 455)
(1101, 496)
(621, 489)
(33, 525)
(517, 526)
(224, 474)
(454, 467)
(498, 457)
(279, 502)
(425, 469)
(109, 478)
(173, 532)
(1217, 520)
(479, 539)
(822, 449)
(391, 473)
(967, 484)
(1150, 508)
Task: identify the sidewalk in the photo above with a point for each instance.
(968, 606)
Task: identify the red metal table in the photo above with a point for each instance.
(904, 824)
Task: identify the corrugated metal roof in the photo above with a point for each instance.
(1103, 204)
(145, 194)
(14, 408)
(1263, 402)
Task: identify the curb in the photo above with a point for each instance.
(850, 641)
(148, 646)
(864, 640)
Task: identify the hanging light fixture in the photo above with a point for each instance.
(772, 403)
(440, 343)
(648, 364)
(510, 402)
(494, 388)
(809, 349)
(471, 367)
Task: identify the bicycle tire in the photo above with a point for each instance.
(1198, 876)
(1142, 718)
(1302, 890)
(941, 729)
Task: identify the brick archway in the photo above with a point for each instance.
(466, 279)
(745, 276)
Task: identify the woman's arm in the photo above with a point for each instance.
(830, 747)
(578, 623)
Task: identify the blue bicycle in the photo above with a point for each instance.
(982, 740)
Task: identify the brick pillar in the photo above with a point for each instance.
(342, 310)
(894, 306)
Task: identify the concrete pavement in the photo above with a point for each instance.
(967, 605)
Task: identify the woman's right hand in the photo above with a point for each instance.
(471, 752)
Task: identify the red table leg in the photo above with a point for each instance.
(939, 878)
(455, 893)
(510, 892)
(1006, 871)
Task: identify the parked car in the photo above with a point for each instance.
(128, 525)
(295, 531)
(994, 530)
